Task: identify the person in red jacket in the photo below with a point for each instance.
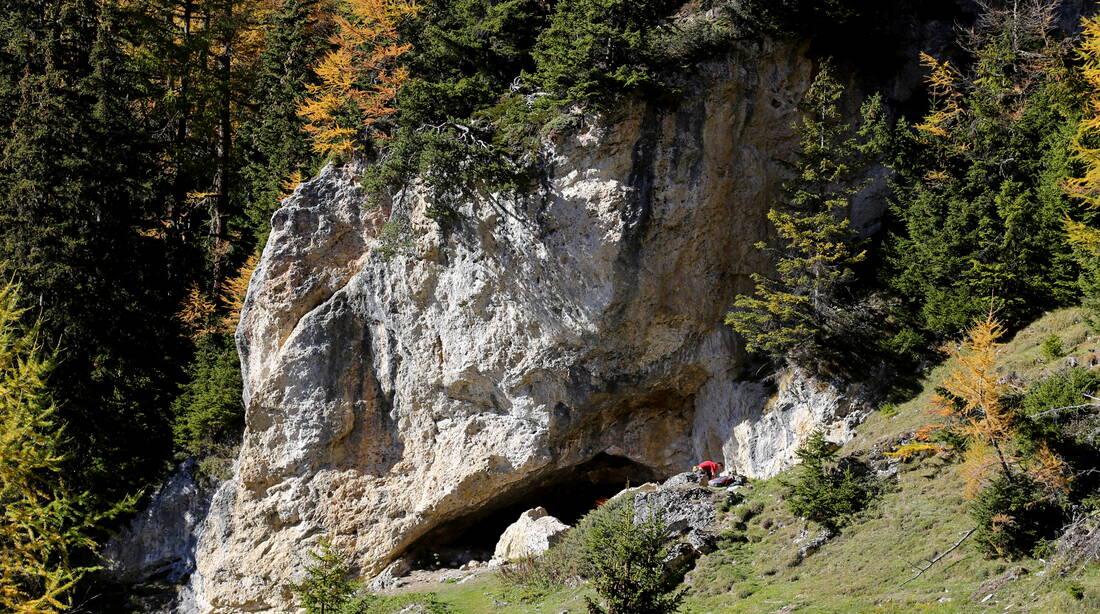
(711, 468)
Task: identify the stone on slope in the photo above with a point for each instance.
(531, 535)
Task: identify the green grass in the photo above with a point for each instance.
(867, 568)
(489, 594)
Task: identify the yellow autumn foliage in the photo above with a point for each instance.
(974, 408)
(234, 291)
(196, 311)
(942, 80)
(41, 522)
(1086, 144)
(360, 78)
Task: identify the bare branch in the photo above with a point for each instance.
(945, 553)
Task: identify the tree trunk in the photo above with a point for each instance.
(223, 145)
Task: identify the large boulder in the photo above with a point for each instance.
(688, 512)
(531, 535)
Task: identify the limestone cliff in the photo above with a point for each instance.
(406, 387)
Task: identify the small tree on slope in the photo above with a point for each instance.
(327, 586)
(627, 560)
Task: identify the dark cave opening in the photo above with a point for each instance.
(567, 494)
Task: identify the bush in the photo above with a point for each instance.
(1052, 347)
(536, 576)
(823, 492)
(564, 563)
(627, 563)
(1012, 517)
(1060, 390)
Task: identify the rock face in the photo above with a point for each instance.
(398, 390)
(534, 533)
(160, 542)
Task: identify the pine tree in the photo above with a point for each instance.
(822, 492)
(595, 48)
(978, 203)
(274, 145)
(327, 585)
(78, 188)
(802, 312)
(627, 563)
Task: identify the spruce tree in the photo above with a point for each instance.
(596, 48)
(78, 194)
(627, 563)
(978, 209)
(274, 146)
(804, 311)
(328, 584)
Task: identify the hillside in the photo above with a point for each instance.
(869, 567)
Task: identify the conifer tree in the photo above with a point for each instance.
(972, 406)
(806, 308)
(42, 523)
(359, 79)
(1083, 232)
(328, 584)
(821, 491)
(978, 206)
(78, 188)
(593, 48)
(274, 145)
(627, 560)
(1014, 492)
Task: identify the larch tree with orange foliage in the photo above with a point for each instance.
(1014, 495)
(1082, 230)
(360, 77)
(972, 406)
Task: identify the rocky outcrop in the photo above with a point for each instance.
(398, 388)
(531, 535)
(687, 513)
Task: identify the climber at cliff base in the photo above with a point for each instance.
(711, 468)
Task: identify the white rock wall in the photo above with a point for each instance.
(387, 397)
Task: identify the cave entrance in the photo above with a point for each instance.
(567, 494)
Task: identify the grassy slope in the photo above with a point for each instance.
(866, 568)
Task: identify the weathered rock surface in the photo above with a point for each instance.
(687, 511)
(534, 533)
(392, 394)
(686, 478)
(160, 542)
